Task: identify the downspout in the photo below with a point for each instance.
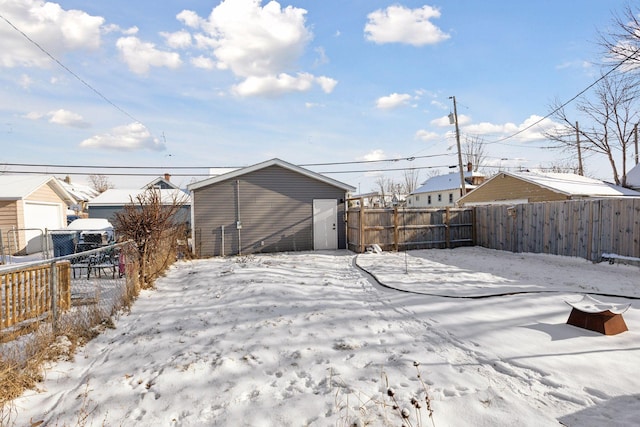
(238, 222)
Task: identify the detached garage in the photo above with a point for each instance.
(29, 205)
(272, 206)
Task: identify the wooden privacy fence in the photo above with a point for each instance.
(578, 228)
(29, 292)
(403, 228)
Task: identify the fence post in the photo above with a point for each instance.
(447, 230)
(361, 242)
(396, 233)
(54, 295)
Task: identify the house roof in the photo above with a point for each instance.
(78, 191)
(450, 181)
(273, 162)
(570, 184)
(19, 187)
(160, 180)
(633, 177)
(121, 197)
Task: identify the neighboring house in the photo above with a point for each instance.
(113, 200)
(80, 193)
(272, 206)
(30, 205)
(163, 183)
(529, 187)
(633, 178)
(443, 190)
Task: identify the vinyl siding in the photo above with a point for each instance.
(275, 208)
(45, 194)
(506, 187)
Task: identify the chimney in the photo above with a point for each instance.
(167, 177)
(67, 179)
(469, 167)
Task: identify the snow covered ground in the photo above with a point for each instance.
(309, 339)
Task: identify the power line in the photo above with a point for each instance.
(604, 76)
(355, 162)
(80, 79)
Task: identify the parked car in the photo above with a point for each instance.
(94, 232)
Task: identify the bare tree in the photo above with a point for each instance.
(100, 183)
(411, 180)
(473, 151)
(622, 43)
(609, 119)
(155, 226)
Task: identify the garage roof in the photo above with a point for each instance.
(19, 187)
(272, 162)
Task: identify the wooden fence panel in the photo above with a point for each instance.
(403, 229)
(26, 294)
(579, 228)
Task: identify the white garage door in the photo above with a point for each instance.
(40, 216)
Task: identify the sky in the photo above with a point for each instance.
(214, 344)
(184, 86)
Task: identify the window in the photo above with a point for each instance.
(439, 197)
(417, 198)
(450, 197)
(429, 199)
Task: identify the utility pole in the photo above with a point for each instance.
(463, 189)
(635, 133)
(580, 168)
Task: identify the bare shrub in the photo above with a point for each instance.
(154, 226)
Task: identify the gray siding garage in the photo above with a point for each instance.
(269, 207)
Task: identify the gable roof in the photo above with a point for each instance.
(568, 184)
(19, 187)
(633, 177)
(163, 182)
(273, 162)
(450, 181)
(121, 197)
(78, 191)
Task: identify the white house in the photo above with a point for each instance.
(443, 190)
(633, 177)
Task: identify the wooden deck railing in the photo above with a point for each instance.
(27, 293)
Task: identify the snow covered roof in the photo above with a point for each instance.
(633, 177)
(19, 187)
(272, 162)
(121, 197)
(572, 184)
(79, 191)
(450, 181)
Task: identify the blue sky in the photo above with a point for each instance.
(158, 85)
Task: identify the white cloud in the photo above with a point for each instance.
(426, 136)
(398, 24)
(57, 30)
(25, 81)
(134, 136)
(33, 115)
(274, 85)
(178, 39)
(374, 155)
(326, 83)
(140, 56)
(203, 62)
(113, 28)
(67, 118)
(259, 44)
(394, 100)
(535, 133)
(190, 19)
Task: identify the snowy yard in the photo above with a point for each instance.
(309, 339)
